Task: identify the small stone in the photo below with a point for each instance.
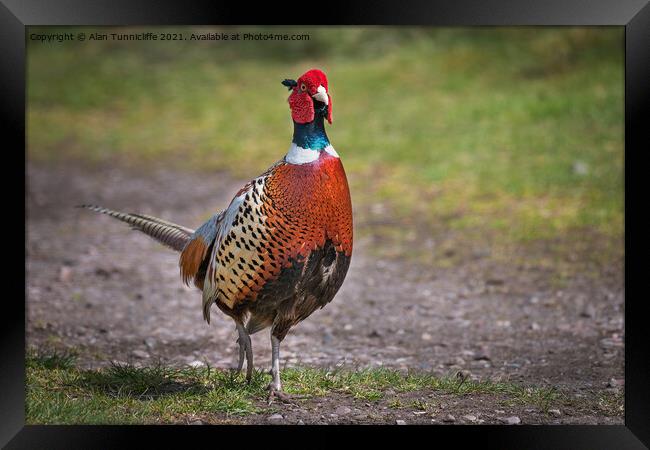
(65, 274)
(400, 422)
(275, 418)
(549, 303)
(300, 422)
(470, 418)
(534, 326)
(348, 327)
(589, 311)
(426, 337)
(140, 354)
(555, 412)
(580, 168)
(463, 375)
(615, 383)
(149, 342)
(196, 364)
(342, 410)
(482, 355)
(449, 418)
(480, 253)
(196, 422)
(611, 342)
(102, 272)
(512, 420)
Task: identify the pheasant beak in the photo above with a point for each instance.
(321, 95)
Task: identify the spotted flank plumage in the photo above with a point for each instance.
(235, 254)
(282, 247)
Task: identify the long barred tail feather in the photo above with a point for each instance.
(170, 234)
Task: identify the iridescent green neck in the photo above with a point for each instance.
(311, 135)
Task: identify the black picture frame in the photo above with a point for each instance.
(634, 15)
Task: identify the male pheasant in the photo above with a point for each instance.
(282, 247)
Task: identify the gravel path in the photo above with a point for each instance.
(115, 295)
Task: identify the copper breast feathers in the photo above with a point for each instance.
(276, 221)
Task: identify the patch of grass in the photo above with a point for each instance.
(605, 402)
(420, 405)
(128, 394)
(59, 393)
(395, 403)
(611, 403)
(370, 384)
(514, 131)
(142, 382)
(54, 359)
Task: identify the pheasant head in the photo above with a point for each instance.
(309, 97)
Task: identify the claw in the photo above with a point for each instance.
(280, 395)
(283, 396)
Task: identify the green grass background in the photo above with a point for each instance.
(514, 131)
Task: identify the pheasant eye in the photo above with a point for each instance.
(303, 87)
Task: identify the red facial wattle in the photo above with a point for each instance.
(302, 107)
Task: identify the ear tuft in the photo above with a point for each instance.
(290, 83)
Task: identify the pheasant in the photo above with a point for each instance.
(282, 247)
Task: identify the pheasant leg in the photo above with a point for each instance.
(245, 348)
(275, 386)
(242, 352)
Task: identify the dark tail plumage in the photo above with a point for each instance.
(167, 233)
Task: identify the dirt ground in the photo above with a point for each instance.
(115, 295)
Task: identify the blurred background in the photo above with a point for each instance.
(514, 133)
(486, 172)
